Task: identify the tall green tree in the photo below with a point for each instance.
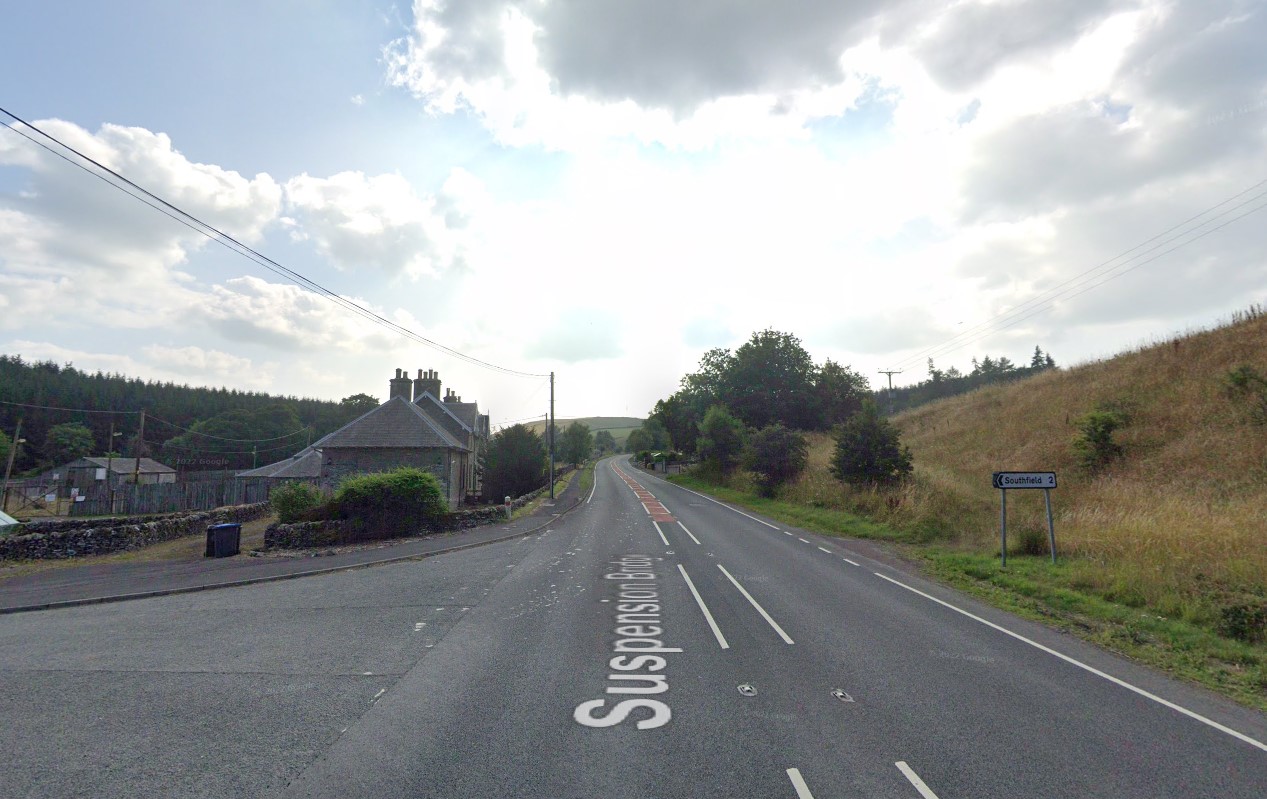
(638, 441)
(240, 438)
(358, 405)
(721, 439)
(680, 419)
(840, 392)
(515, 463)
(577, 443)
(771, 380)
(67, 442)
(869, 451)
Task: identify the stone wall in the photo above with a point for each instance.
(75, 537)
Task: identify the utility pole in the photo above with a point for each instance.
(552, 435)
(140, 447)
(8, 469)
(890, 373)
(110, 466)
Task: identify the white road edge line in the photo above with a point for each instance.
(1093, 670)
(787, 532)
(802, 540)
(824, 549)
(721, 639)
(661, 532)
(760, 609)
(798, 782)
(594, 488)
(688, 532)
(910, 774)
(724, 505)
(852, 562)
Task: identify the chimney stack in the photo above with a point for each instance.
(427, 382)
(399, 386)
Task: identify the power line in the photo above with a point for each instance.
(235, 440)
(1108, 270)
(68, 410)
(232, 244)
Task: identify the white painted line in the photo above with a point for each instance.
(824, 549)
(787, 532)
(688, 532)
(802, 540)
(594, 488)
(852, 562)
(381, 691)
(760, 609)
(721, 639)
(724, 505)
(661, 532)
(910, 774)
(1147, 695)
(798, 782)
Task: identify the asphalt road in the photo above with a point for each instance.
(652, 643)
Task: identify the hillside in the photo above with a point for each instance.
(1163, 552)
(619, 426)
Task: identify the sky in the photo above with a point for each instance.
(606, 190)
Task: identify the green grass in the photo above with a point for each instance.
(1032, 587)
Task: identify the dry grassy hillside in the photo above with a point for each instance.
(1178, 523)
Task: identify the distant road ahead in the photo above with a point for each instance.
(653, 643)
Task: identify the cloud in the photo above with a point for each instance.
(74, 250)
(197, 361)
(286, 317)
(379, 222)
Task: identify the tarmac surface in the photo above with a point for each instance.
(95, 583)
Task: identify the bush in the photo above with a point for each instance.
(291, 500)
(775, 455)
(514, 464)
(868, 450)
(1246, 383)
(1094, 446)
(400, 502)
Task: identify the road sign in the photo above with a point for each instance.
(1024, 479)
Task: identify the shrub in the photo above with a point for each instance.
(868, 450)
(775, 455)
(400, 502)
(1094, 445)
(1246, 383)
(291, 500)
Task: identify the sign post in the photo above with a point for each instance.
(1014, 480)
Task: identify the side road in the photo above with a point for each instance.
(116, 582)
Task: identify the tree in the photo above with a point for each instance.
(67, 442)
(1037, 361)
(358, 405)
(771, 379)
(680, 419)
(638, 441)
(839, 391)
(775, 455)
(868, 450)
(721, 439)
(6, 444)
(604, 442)
(577, 443)
(240, 437)
(515, 463)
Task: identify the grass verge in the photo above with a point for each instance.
(1033, 588)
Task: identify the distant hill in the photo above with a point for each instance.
(619, 426)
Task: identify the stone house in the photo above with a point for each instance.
(414, 427)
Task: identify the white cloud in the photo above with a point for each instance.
(379, 222)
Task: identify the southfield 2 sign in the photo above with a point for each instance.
(1011, 481)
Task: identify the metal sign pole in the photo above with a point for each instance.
(1051, 528)
(1003, 524)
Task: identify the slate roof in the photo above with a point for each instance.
(305, 463)
(468, 412)
(395, 423)
(125, 465)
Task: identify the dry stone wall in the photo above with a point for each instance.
(75, 537)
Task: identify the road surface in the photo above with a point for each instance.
(652, 643)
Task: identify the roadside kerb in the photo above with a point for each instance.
(189, 589)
